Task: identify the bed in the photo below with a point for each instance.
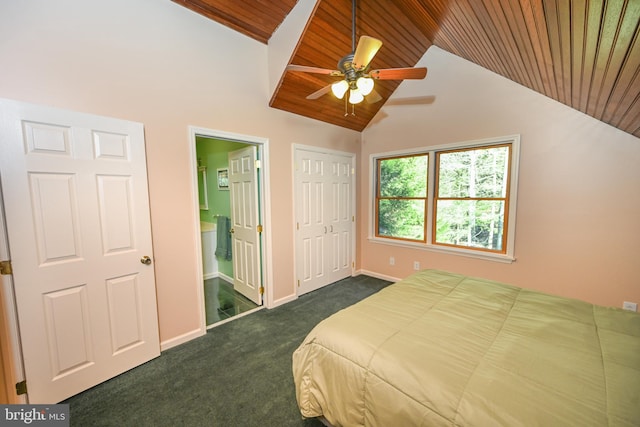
(442, 349)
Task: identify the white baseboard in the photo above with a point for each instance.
(220, 275)
(181, 339)
(378, 275)
(282, 301)
(225, 277)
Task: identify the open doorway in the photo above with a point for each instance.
(230, 183)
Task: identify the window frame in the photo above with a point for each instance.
(377, 198)
(507, 255)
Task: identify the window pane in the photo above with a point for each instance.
(473, 173)
(401, 218)
(403, 177)
(472, 223)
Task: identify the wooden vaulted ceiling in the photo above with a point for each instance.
(582, 53)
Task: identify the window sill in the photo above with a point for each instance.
(504, 258)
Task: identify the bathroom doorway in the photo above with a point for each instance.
(226, 263)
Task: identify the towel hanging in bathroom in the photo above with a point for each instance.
(223, 238)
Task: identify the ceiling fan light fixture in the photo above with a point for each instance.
(355, 96)
(365, 85)
(340, 88)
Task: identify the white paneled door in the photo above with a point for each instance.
(324, 218)
(77, 211)
(245, 223)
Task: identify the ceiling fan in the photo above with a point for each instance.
(354, 67)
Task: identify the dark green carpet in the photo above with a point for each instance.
(238, 374)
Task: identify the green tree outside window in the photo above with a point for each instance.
(471, 197)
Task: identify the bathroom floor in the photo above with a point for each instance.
(222, 301)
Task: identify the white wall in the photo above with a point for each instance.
(163, 65)
(578, 213)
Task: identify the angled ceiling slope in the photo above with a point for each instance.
(585, 54)
(257, 19)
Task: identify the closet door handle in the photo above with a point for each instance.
(331, 228)
(325, 229)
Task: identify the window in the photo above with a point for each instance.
(459, 198)
(401, 200)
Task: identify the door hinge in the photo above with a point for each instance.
(259, 228)
(298, 282)
(353, 264)
(258, 164)
(353, 218)
(21, 387)
(261, 290)
(5, 267)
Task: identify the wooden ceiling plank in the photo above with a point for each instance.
(627, 86)
(429, 23)
(282, 8)
(420, 17)
(498, 22)
(465, 35)
(437, 11)
(606, 42)
(630, 122)
(553, 31)
(564, 25)
(487, 41)
(495, 46)
(524, 53)
(617, 113)
(244, 17)
(537, 29)
(627, 29)
(403, 43)
(579, 17)
(310, 53)
(595, 10)
(510, 56)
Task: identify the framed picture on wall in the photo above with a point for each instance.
(223, 179)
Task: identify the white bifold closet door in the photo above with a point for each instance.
(324, 205)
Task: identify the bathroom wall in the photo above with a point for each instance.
(213, 154)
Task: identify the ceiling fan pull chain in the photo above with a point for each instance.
(346, 107)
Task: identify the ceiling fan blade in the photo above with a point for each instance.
(305, 69)
(366, 50)
(399, 73)
(415, 100)
(317, 94)
(373, 97)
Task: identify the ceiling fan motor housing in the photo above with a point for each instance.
(351, 75)
(346, 66)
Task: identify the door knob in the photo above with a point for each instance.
(145, 260)
(232, 231)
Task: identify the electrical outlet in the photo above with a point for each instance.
(416, 265)
(392, 261)
(631, 306)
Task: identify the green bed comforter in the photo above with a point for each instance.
(441, 349)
